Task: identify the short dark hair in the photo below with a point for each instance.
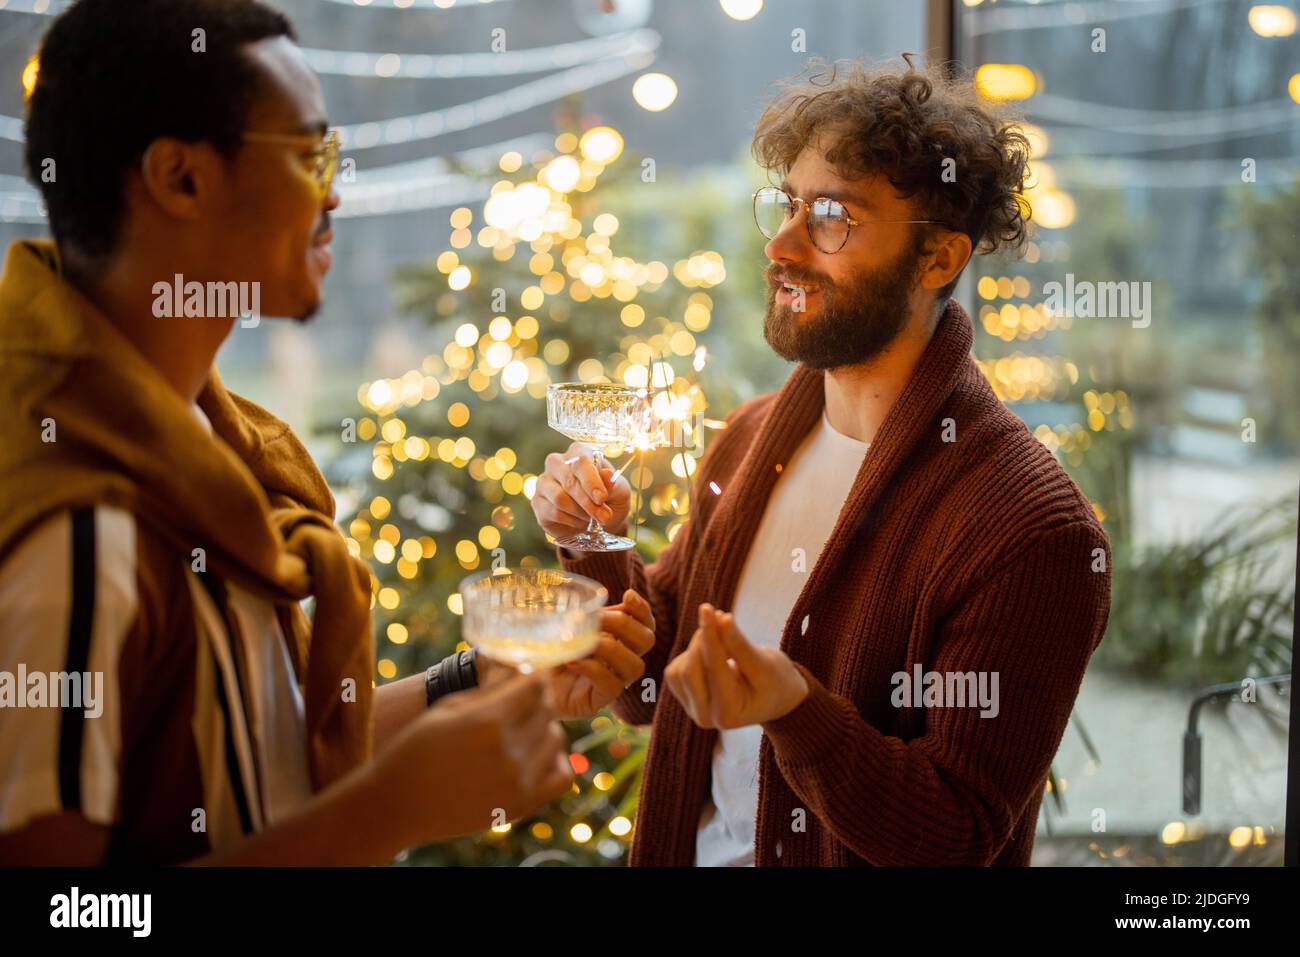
(904, 124)
(113, 77)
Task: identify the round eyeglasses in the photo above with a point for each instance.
(828, 222)
(323, 160)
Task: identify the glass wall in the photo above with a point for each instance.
(1151, 338)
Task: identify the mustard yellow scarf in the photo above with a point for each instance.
(253, 499)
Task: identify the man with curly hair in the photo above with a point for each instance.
(875, 622)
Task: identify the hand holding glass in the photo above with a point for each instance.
(601, 414)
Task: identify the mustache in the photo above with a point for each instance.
(776, 274)
(324, 226)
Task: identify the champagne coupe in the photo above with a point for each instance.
(601, 414)
(532, 618)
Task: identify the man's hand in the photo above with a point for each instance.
(581, 688)
(477, 759)
(723, 681)
(571, 491)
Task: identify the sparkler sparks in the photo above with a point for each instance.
(647, 440)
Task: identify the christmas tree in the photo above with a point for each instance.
(439, 463)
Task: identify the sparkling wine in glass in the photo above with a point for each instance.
(531, 618)
(600, 414)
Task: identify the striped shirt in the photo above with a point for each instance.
(198, 736)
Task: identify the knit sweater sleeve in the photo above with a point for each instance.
(954, 794)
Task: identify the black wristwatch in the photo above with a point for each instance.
(456, 672)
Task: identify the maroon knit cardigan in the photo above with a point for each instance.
(962, 546)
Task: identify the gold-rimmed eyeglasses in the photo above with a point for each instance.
(828, 222)
(324, 158)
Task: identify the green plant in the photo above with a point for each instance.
(1216, 608)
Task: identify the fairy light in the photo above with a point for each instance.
(562, 173)
(1005, 81)
(581, 833)
(654, 92)
(601, 144)
(1272, 20)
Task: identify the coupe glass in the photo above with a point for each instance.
(601, 414)
(531, 618)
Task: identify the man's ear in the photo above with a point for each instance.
(949, 254)
(179, 177)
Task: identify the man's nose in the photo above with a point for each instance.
(791, 243)
(332, 199)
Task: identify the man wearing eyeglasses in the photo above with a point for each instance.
(163, 696)
(873, 627)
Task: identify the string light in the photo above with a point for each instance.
(478, 64)
(453, 119)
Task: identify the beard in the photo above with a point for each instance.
(858, 319)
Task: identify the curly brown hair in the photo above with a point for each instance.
(904, 124)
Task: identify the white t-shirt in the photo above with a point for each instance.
(279, 713)
(801, 514)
